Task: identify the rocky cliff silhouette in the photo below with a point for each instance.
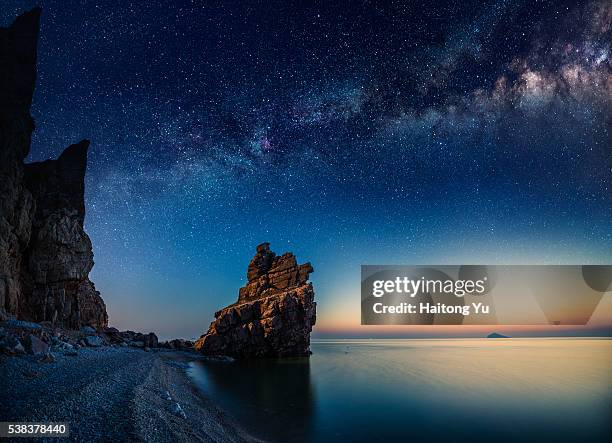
(45, 254)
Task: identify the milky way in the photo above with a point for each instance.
(366, 132)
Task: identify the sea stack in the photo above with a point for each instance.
(273, 316)
(45, 254)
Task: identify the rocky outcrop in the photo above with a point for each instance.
(179, 344)
(45, 254)
(60, 255)
(273, 316)
(131, 338)
(18, 337)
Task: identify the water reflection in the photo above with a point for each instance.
(277, 392)
(463, 390)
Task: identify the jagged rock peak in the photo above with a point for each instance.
(59, 185)
(269, 273)
(273, 316)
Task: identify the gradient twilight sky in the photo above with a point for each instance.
(357, 133)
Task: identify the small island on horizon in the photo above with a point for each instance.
(496, 335)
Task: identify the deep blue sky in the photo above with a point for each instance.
(365, 132)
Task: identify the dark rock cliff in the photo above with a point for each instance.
(273, 316)
(45, 254)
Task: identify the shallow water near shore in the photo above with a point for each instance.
(421, 390)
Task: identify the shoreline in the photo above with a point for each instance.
(223, 425)
(121, 394)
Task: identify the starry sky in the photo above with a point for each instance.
(348, 133)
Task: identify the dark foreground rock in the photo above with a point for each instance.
(273, 316)
(45, 254)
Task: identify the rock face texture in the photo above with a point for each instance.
(273, 316)
(17, 78)
(45, 254)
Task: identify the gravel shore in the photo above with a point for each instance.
(113, 394)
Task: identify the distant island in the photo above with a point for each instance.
(496, 335)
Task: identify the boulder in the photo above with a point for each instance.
(273, 316)
(113, 335)
(149, 340)
(35, 345)
(62, 346)
(176, 409)
(18, 349)
(94, 341)
(11, 345)
(47, 358)
(179, 344)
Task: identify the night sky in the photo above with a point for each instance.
(358, 133)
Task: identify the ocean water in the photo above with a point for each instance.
(459, 390)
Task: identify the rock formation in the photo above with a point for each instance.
(273, 316)
(45, 254)
(18, 337)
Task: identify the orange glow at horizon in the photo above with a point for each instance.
(345, 318)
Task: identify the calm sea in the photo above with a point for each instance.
(460, 390)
